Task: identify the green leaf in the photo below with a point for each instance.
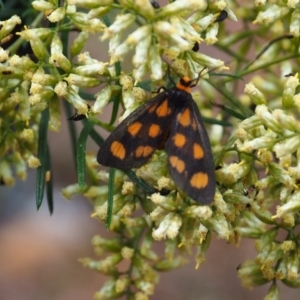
(116, 102)
(43, 157)
(140, 182)
(71, 126)
(110, 196)
(218, 122)
(80, 153)
(96, 137)
(49, 184)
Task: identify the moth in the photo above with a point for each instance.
(171, 120)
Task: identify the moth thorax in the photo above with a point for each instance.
(185, 81)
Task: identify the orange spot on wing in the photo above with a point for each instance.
(143, 151)
(199, 180)
(134, 128)
(152, 108)
(198, 151)
(177, 163)
(179, 140)
(154, 130)
(117, 149)
(163, 110)
(194, 125)
(184, 119)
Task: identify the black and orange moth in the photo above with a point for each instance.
(170, 120)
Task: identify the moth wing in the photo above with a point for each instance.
(134, 141)
(190, 158)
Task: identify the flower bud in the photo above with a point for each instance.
(59, 60)
(144, 8)
(289, 92)
(195, 211)
(111, 244)
(4, 55)
(165, 29)
(292, 266)
(251, 275)
(122, 284)
(34, 37)
(6, 173)
(33, 162)
(177, 7)
(293, 205)
(273, 293)
(271, 14)
(255, 94)
(155, 63)
(57, 15)
(287, 146)
(82, 81)
(295, 23)
(108, 291)
(8, 26)
(211, 63)
(211, 34)
(121, 23)
(102, 99)
(42, 5)
(169, 227)
(166, 202)
(79, 43)
(79, 104)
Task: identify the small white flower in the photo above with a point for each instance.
(292, 3)
(169, 227)
(292, 205)
(233, 172)
(289, 91)
(180, 6)
(286, 121)
(231, 15)
(255, 94)
(204, 22)
(142, 51)
(260, 2)
(287, 146)
(267, 118)
(251, 123)
(8, 25)
(57, 15)
(102, 99)
(121, 23)
(258, 143)
(271, 14)
(211, 34)
(155, 63)
(295, 23)
(167, 31)
(220, 225)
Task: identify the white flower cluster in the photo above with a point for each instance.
(273, 136)
(273, 12)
